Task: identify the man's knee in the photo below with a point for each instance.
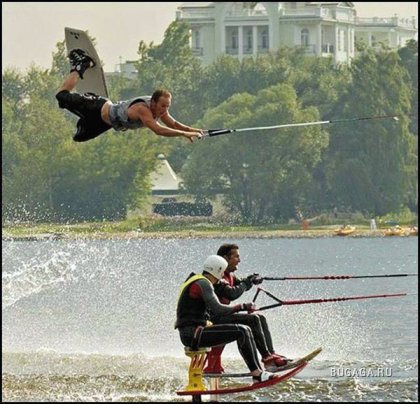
(87, 130)
(261, 318)
(255, 319)
(264, 322)
(63, 98)
(244, 328)
(81, 134)
(73, 102)
(79, 138)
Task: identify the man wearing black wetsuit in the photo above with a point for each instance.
(195, 299)
(231, 287)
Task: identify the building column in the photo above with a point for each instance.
(336, 40)
(348, 41)
(254, 41)
(318, 43)
(370, 39)
(223, 40)
(219, 35)
(391, 38)
(273, 34)
(240, 42)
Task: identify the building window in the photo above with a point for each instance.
(248, 40)
(234, 39)
(374, 43)
(196, 39)
(304, 37)
(264, 39)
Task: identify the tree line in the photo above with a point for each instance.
(364, 166)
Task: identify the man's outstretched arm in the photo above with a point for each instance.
(171, 122)
(147, 118)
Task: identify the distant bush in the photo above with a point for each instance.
(329, 219)
(404, 216)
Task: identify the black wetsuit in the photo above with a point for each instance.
(230, 288)
(196, 298)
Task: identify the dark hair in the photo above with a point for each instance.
(226, 249)
(160, 93)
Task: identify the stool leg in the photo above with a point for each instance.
(196, 398)
(195, 371)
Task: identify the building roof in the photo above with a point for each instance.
(196, 4)
(331, 3)
(209, 4)
(164, 177)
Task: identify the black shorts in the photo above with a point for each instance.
(88, 107)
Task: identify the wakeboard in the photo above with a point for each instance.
(248, 387)
(93, 78)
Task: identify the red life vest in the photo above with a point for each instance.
(230, 279)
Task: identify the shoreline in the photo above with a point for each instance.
(195, 234)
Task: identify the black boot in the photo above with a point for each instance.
(80, 61)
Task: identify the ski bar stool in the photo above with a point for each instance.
(195, 371)
(214, 360)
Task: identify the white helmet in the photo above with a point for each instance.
(215, 265)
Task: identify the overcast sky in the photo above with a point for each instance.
(30, 31)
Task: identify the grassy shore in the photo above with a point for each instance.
(174, 228)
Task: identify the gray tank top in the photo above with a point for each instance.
(118, 113)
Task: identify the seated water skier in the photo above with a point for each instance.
(98, 114)
(196, 297)
(230, 288)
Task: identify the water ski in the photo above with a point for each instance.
(293, 364)
(247, 387)
(296, 362)
(94, 78)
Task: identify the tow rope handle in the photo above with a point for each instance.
(309, 301)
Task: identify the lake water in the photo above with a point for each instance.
(93, 320)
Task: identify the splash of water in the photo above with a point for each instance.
(35, 277)
(39, 273)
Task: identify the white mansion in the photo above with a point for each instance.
(322, 29)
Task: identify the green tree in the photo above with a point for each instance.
(60, 62)
(409, 58)
(33, 157)
(409, 55)
(106, 176)
(369, 161)
(46, 176)
(13, 89)
(256, 171)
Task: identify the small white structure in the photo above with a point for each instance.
(244, 29)
(373, 224)
(165, 182)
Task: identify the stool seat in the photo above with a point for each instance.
(188, 350)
